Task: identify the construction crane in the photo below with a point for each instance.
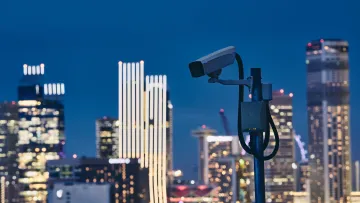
(225, 122)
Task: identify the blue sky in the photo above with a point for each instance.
(81, 42)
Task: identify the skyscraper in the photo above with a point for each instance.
(145, 124)
(8, 139)
(219, 164)
(328, 118)
(202, 134)
(107, 138)
(302, 176)
(279, 173)
(41, 131)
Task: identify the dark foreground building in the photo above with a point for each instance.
(129, 181)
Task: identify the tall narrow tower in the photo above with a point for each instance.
(328, 119)
(145, 125)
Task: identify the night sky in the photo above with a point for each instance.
(81, 42)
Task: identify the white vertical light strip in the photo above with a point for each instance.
(164, 134)
(206, 160)
(151, 97)
(45, 89)
(138, 108)
(50, 89)
(37, 89)
(62, 88)
(2, 182)
(156, 136)
(54, 88)
(29, 70)
(147, 122)
(25, 69)
(33, 70)
(160, 137)
(151, 162)
(42, 69)
(128, 109)
(142, 116)
(120, 92)
(58, 89)
(133, 150)
(38, 70)
(124, 112)
(357, 176)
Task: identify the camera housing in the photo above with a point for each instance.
(213, 63)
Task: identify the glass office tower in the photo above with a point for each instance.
(107, 138)
(41, 131)
(8, 139)
(279, 173)
(328, 118)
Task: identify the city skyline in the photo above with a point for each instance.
(73, 50)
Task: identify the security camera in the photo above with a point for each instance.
(213, 63)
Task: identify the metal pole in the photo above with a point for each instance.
(257, 141)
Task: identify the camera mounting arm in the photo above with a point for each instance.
(247, 82)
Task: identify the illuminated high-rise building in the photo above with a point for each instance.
(219, 165)
(41, 131)
(234, 177)
(302, 176)
(328, 118)
(244, 168)
(145, 125)
(8, 139)
(202, 134)
(107, 138)
(279, 172)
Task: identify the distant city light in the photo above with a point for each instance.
(203, 126)
(291, 95)
(178, 173)
(294, 166)
(192, 182)
(282, 91)
(74, 156)
(119, 161)
(170, 106)
(59, 194)
(217, 138)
